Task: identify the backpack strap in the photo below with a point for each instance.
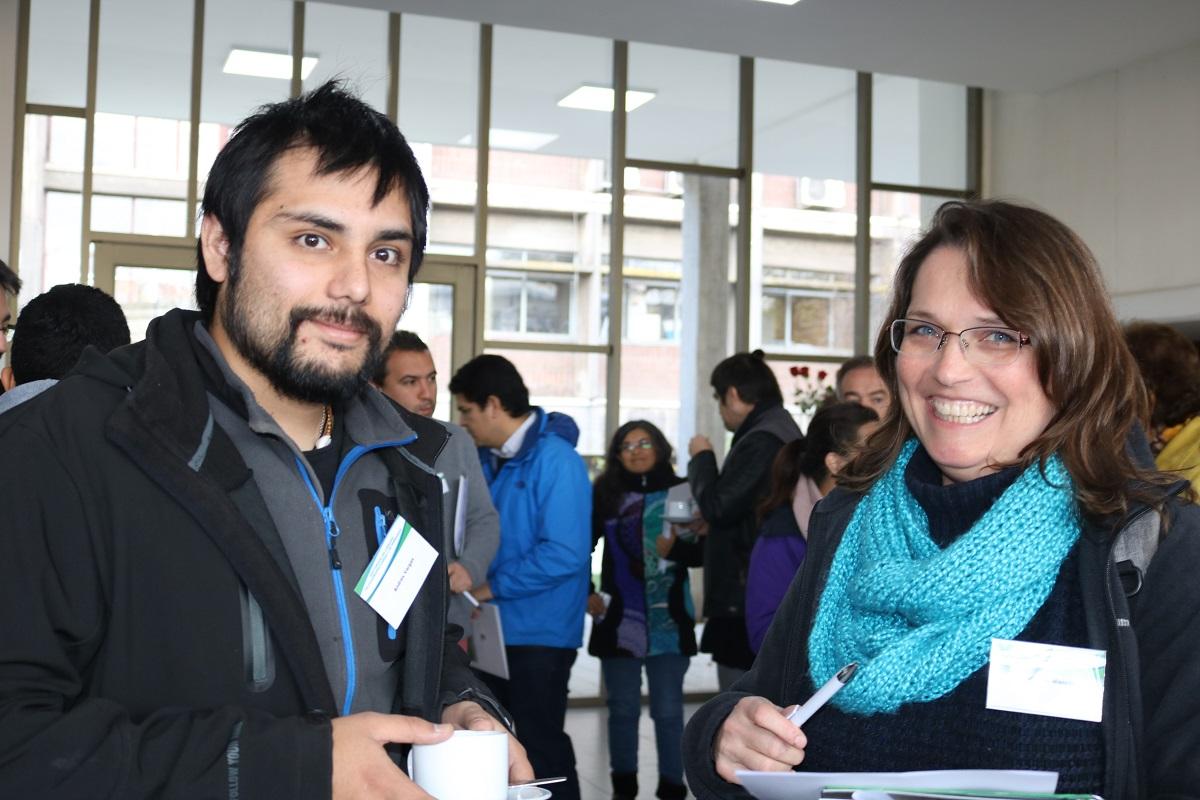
(1134, 548)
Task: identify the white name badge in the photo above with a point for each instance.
(1046, 679)
(397, 572)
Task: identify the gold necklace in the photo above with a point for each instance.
(325, 433)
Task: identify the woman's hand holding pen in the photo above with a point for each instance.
(757, 736)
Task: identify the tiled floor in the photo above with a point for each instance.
(588, 730)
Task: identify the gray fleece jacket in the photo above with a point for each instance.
(458, 460)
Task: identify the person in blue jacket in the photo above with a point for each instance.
(540, 577)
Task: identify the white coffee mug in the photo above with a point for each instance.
(470, 765)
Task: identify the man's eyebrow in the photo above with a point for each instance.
(394, 235)
(316, 220)
(329, 224)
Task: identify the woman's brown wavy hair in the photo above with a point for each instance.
(1040, 278)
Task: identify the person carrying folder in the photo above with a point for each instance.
(1016, 589)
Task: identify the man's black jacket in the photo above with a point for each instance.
(133, 549)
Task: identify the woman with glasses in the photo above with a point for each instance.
(643, 613)
(1016, 591)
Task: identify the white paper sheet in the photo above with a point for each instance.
(808, 785)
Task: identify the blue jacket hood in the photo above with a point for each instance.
(545, 424)
(559, 425)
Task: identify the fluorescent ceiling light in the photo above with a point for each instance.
(507, 139)
(600, 98)
(781, 2)
(261, 64)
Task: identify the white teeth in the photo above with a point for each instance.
(964, 412)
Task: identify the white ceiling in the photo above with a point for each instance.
(1022, 45)
(804, 114)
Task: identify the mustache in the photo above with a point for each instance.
(353, 318)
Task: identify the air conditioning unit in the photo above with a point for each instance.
(822, 193)
(673, 184)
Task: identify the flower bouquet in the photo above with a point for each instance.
(812, 391)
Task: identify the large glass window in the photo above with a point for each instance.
(58, 51)
(439, 96)
(921, 132)
(349, 44)
(140, 153)
(548, 183)
(804, 195)
(690, 109)
(51, 203)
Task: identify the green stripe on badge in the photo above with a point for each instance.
(381, 563)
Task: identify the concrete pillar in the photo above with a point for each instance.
(705, 307)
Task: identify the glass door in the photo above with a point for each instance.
(441, 310)
(147, 280)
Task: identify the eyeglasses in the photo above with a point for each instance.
(987, 346)
(640, 444)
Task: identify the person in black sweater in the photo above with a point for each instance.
(751, 408)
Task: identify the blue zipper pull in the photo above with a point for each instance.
(380, 535)
(332, 532)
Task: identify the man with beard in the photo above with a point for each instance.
(187, 517)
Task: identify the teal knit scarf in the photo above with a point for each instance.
(919, 619)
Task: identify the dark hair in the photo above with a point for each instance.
(1040, 278)
(9, 281)
(1170, 367)
(346, 133)
(848, 366)
(54, 328)
(401, 341)
(488, 375)
(750, 375)
(609, 485)
(834, 429)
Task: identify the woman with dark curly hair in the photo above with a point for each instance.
(992, 550)
(1170, 366)
(648, 622)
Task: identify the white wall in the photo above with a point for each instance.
(8, 87)
(1117, 157)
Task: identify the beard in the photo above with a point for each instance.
(249, 323)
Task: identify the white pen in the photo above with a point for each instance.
(832, 686)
